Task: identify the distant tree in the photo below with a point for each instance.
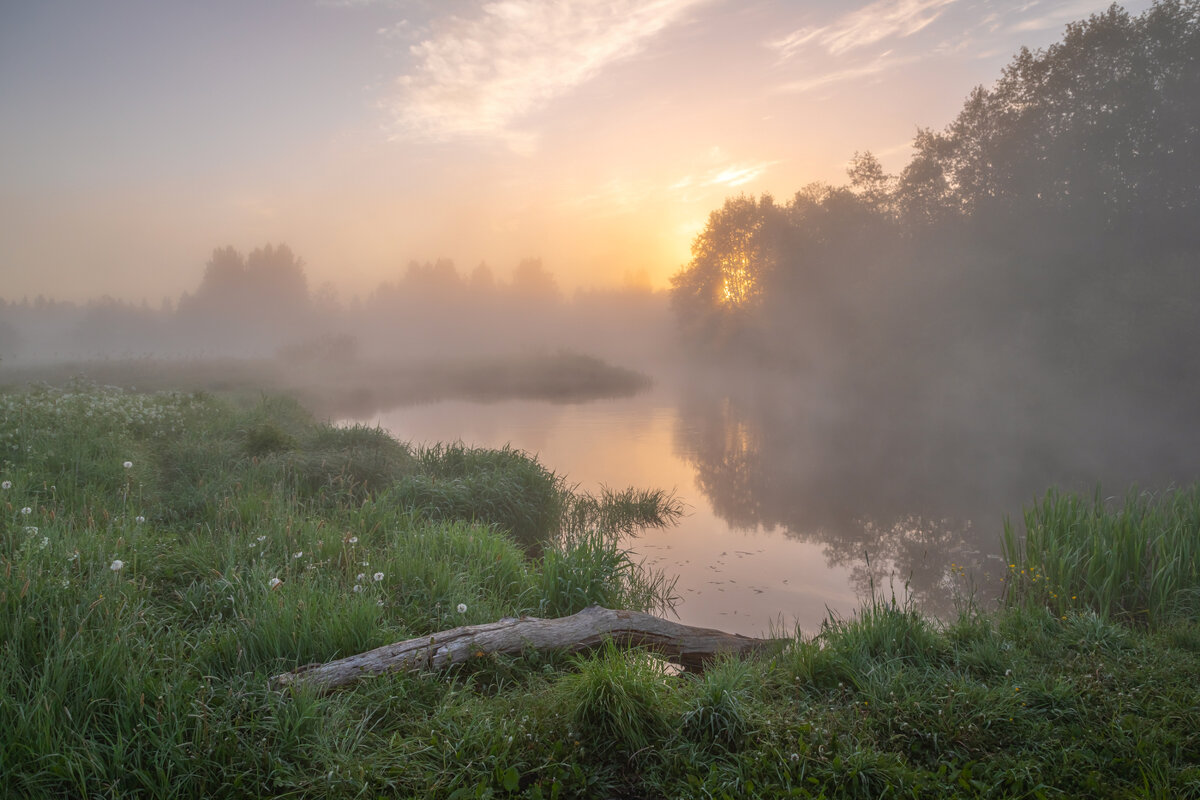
(1102, 126)
(482, 279)
(719, 291)
(532, 281)
(870, 182)
(437, 279)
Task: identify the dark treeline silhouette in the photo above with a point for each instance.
(1049, 235)
(1018, 308)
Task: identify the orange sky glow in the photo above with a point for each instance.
(595, 134)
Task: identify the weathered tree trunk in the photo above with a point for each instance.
(687, 645)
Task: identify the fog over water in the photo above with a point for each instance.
(850, 386)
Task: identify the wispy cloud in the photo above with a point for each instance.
(480, 75)
(719, 172)
(883, 19)
(1056, 15)
(880, 64)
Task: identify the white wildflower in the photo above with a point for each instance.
(360, 577)
(27, 511)
(353, 540)
(297, 554)
(139, 519)
(127, 464)
(117, 565)
(378, 576)
(5, 484)
(462, 608)
(357, 587)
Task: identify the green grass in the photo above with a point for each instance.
(1137, 561)
(251, 539)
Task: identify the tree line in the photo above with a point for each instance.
(1050, 231)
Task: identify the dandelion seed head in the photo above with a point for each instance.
(5, 484)
(358, 587)
(27, 511)
(139, 519)
(273, 583)
(298, 554)
(127, 464)
(353, 540)
(378, 576)
(117, 565)
(462, 608)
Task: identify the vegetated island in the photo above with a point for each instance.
(165, 555)
(334, 383)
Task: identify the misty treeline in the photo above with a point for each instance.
(261, 304)
(1047, 239)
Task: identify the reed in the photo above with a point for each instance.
(1135, 560)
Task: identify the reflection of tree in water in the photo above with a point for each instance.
(921, 496)
(927, 559)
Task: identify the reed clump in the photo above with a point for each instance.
(1134, 560)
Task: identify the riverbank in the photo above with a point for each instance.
(165, 554)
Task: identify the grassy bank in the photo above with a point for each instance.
(161, 556)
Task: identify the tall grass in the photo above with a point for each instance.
(1136, 560)
(162, 555)
(143, 609)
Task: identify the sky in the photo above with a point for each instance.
(138, 135)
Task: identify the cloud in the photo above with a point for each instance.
(884, 62)
(1057, 15)
(721, 173)
(479, 76)
(871, 24)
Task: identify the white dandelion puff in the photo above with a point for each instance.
(127, 464)
(462, 608)
(5, 484)
(274, 582)
(117, 565)
(378, 576)
(27, 511)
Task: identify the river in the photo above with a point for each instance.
(792, 515)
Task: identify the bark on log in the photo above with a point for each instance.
(687, 645)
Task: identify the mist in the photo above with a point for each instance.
(889, 365)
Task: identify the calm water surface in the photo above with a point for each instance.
(791, 512)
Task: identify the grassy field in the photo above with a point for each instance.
(162, 555)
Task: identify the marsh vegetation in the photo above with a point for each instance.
(165, 554)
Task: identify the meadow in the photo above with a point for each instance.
(163, 554)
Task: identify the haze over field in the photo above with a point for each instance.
(596, 135)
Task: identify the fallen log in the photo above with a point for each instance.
(689, 646)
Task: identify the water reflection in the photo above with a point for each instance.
(799, 503)
(906, 500)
